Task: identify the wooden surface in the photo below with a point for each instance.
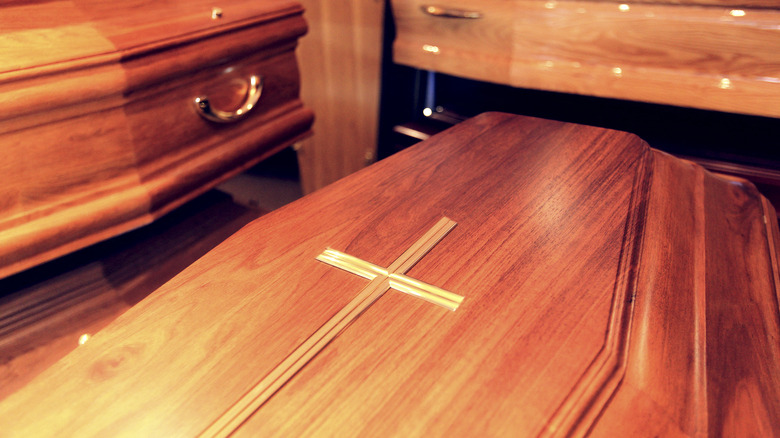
(609, 289)
(340, 61)
(63, 31)
(44, 311)
(725, 56)
(97, 127)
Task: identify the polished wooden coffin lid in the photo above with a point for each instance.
(609, 289)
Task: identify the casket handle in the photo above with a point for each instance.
(446, 12)
(206, 111)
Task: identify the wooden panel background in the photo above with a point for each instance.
(340, 63)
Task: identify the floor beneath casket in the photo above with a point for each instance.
(46, 310)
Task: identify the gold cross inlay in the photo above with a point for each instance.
(393, 277)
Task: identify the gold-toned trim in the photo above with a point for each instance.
(204, 109)
(351, 264)
(399, 282)
(426, 291)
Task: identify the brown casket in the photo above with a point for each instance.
(99, 129)
(607, 289)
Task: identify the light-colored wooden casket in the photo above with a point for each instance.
(599, 288)
(719, 55)
(99, 129)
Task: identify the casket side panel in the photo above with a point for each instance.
(704, 357)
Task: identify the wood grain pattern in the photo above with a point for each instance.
(239, 412)
(38, 35)
(406, 369)
(44, 310)
(600, 280)
(689, 344)
(684, 55)
(100, 142)
(340, 78)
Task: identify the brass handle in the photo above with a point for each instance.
(443, 11)
(205, 110)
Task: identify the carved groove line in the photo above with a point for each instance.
(590, 395)
(700, 303)
(770, 222)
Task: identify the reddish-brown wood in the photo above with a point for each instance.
(609, 289)
(97, 125)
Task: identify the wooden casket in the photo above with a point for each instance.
(508, 277)
(100, 131)
(719, 55)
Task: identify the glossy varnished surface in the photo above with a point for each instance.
(705, 328)
(97, 126)
(722, 56)
(65, 30)
(608, 289)
(44, 311)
